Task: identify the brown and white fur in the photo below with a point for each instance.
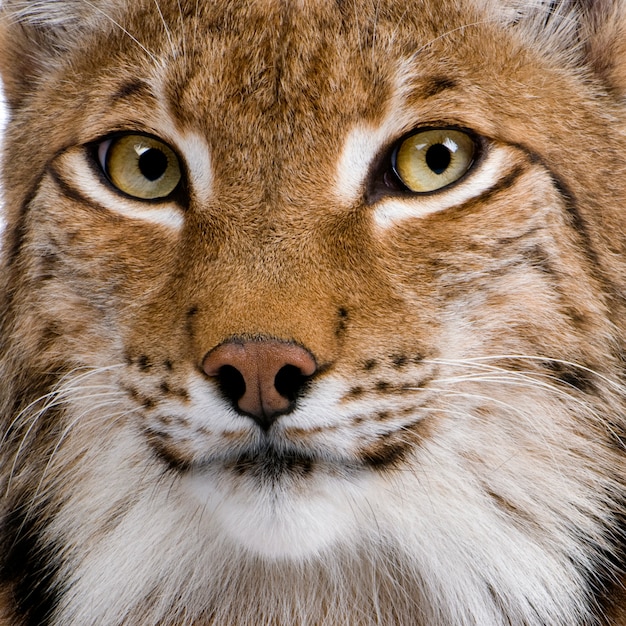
(456, 458)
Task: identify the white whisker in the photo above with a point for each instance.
(374, 31)
(484, 361)
(182, 29)
(70, 387)
(96, 8)
(111, 419)
(168, 33)
(448, 33)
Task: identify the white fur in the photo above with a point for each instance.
(392, 211)
(77, 170)
(492, 520)
(364, 142)
(194, 534)
(195, 152)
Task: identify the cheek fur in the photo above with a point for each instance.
(291, 391)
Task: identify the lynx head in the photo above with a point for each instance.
(312, 312)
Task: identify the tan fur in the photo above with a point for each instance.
(528, 276)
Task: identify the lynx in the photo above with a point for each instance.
(312, 312)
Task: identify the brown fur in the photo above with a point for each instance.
(536, 266)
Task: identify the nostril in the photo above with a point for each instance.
(231, 382)
(261, 378)
(289, 382)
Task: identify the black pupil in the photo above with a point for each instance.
(152, 164)
(438, 158)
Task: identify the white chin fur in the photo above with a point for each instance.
(276, 522)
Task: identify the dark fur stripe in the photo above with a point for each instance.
(73, 194)
(576, 220)
(133, 88)
(605, 586)
(438, 84)
(17, 235)
(572, 210)
(503, 184)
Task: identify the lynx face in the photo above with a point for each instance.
(313, 313)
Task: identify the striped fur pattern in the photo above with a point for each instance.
(457, 459)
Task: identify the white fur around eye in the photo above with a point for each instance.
(197, 157)
(364, 142)
(362, 146)
(76, 171)
(359, 150)
(394, 209)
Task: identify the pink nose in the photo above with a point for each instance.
(262, 378)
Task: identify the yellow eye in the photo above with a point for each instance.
(432, 159)
(140, 166)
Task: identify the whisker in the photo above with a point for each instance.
(374, 30)
(29, 507)
(112, 419)
(154, 58)
(182, 28)
(516, 379)
(447, 34)
(197, 16)
(59, 390)
(64, 393)
(484, 360)
(168, 33)
(35, 419)
(392, 36)
(538, 425)
(356, 21)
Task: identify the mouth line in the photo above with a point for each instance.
(272, 465)
(264, 460)
(268, 462)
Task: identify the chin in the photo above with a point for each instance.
(277, 509)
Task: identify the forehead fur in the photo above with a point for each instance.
(60, 13)
(558, 18)
(564, 26)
